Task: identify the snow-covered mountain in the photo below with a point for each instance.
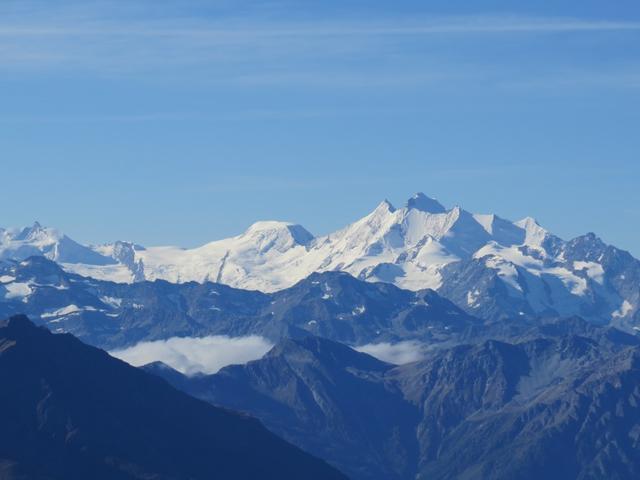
(406, 246)
(20, 243)
(490, 266)
(333, 305)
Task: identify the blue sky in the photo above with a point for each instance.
(180, 122)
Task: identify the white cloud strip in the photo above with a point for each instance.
(194, 355)
(246, 31)
(254, 51)
(396, 353)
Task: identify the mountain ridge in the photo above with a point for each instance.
(421, 245)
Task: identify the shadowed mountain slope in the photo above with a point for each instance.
(70, 411)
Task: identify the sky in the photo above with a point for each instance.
(182, 122)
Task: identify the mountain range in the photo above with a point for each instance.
(334, 305)
(560, 401)
(527, 345)
(490, 267)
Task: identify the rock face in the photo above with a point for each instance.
(561, 402)
(489, 266)
(70, 411)
(330, 304)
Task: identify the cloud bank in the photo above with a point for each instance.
(196, 355)
(396, 353)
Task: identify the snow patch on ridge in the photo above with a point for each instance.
(68, 310)
(17, 290)
(623, 311)
(593, 270)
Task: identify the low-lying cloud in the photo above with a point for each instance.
(396, 353)
(191, 355)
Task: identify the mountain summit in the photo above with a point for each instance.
(421, 202)
(18, 244)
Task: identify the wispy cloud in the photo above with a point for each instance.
(106, 36)
(194, 355)
(242, 31)
(621, 78)
(264, 50)
(124, 118)
(396, 353)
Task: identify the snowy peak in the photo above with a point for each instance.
(280, 234)
(34, 234)
(534, 233)
(502, 231)
(296, 232)
(464, 235)
(383, 208)
(21, 243)
(425, 204)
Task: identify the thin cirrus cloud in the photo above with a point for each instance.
(196, 355)
(90, 38)
(251, 50)
(628, 78)
(248, 30)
